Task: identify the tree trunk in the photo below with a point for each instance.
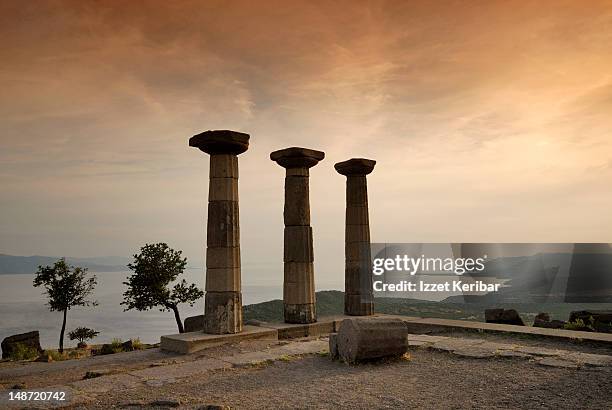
(177, 316)
(61, 342)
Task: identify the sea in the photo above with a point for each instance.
(23, 308)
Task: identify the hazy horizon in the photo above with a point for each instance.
(489, 121)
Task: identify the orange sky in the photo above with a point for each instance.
(490, 120)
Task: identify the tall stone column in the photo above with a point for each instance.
(223, 300)
(358, 293)
(298, 286)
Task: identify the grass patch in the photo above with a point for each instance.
(23, 352)
(56, 356)
(261, 363)
(137, 344)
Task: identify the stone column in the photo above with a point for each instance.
(358, 293)
(223, 300)
(298, 286)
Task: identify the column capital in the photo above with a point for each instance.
(296, 157)
(355, 166)
(221, 142)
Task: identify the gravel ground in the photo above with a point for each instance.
(430, 380)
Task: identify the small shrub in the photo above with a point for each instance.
(137, 344)
(23, 352)
(116, 345)
(579, 324)
(82, 334)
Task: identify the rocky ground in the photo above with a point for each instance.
(452, 371)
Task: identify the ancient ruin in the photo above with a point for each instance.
(358, 296)
(366, 339)
(223, 300)
(298, 286)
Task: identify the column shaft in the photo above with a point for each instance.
(223, 299)
(358, 296)
(358, 292)
(298, 260)
(298, 285)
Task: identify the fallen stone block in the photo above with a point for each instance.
(11, 344)
(194, 324)
(367, 339)
(594, 320)
(503, 316)
(543, 320)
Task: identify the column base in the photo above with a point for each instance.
(223, 312)
(358, 305)
(302, 313)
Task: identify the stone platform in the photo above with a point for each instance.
(195, 341)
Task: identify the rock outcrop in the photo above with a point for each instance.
(28, 340)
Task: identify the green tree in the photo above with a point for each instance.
(82, 334)
(155, 269)
(66, 287)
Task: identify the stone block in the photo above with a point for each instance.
(223, 228)
(357, 276)
(297, 205)
(223, 312)
(366, 339)
(223, 166)
(297, 172)
(296, 157)
(185, 343)
(357, 233)
(228, 257)
(298, 284)
(357, 215)
(29, 340)
(503, 316)
(220, 142)
(356, 191)
(300, 313)
(357, 251)
(298, 244)
(355, 166)
(223, 279)
(359, 304)
(223, 189)
(598, 320)
(194, 324)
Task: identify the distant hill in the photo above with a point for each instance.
(331, 302)
(10, 264)
(548, 277)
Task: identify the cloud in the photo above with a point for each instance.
(487, 121)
